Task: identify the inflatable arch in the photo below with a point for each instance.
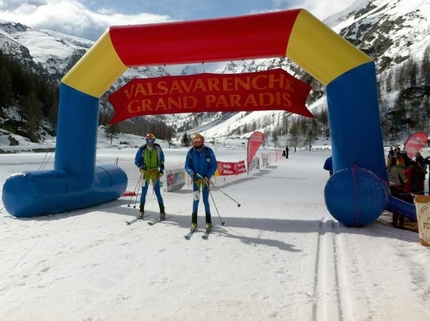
(348, 74)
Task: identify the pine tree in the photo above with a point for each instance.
(294, 134)
(111, 131)
(185, 141)
(425, 67)
(5, 87)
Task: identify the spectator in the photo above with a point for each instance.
(399, 160)
(407, 159)
(397, 180)
(427, 162)
(396, 174)
(420, 160)
(391, 152)
(328, 165)
(415, 177)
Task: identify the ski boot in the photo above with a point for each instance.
(193, 222)
(209, 225)
(162, 213)
(141, 211)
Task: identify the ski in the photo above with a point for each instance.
(189, 235)
(153, 222)
(135, 220)
(132, 221)
(207, 232)
(206, 235)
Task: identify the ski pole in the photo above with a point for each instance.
(216, 208)
(238, 204)
(138, 185)
(213, 201)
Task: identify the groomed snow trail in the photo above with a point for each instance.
(326, 290)
(280, 256)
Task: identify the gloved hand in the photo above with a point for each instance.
(207, 180)
(160, 173)
(143, 168)
(192, 175)
(162, 168)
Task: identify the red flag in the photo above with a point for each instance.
(415, 142)
(267, 90)
(254, 143)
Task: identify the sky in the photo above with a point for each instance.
(279, 256)
(90, 18)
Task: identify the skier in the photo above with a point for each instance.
(200, 164)
(150, 160)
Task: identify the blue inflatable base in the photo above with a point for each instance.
(401, 207)
(355, 196)
(29, 194)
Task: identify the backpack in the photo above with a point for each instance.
(191, 155)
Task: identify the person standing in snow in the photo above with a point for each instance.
(287, 151)
(328, 165)
(420, 161)
(415, 177)
(397, 180)
(200, 164)
(391, 152)
(396, 173)
(150, 161)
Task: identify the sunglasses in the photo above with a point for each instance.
(150, 140)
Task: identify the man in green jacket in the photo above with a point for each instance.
(150, 160)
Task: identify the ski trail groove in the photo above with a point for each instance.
(326, 304)
(355, 283)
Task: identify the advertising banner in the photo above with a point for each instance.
(229, 168)
(267, 90)
(415, 142)
(254, 143)
(422, 205)
(175, 179)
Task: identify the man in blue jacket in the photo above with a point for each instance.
(200, 164)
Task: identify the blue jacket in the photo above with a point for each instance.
(202, 162)
(328, 165)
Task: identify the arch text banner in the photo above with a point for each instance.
(267, 90)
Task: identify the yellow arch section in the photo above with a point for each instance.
(97, 70)
(320, 51)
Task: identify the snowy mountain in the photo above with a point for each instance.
(44, 51)
(53, 53)
(391, 32)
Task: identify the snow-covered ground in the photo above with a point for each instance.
(279, 256)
